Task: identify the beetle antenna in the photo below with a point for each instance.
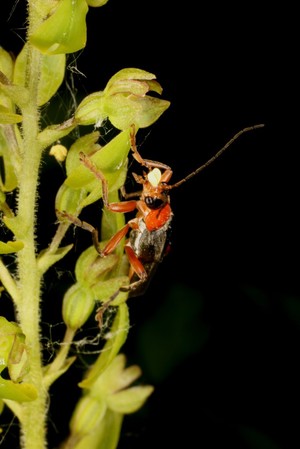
(213, 158)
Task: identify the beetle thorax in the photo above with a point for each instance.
(154, 193)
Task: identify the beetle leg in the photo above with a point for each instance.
(112, 243)
(133, 286)
(82, 224)
(122, 206)
(145, 162)
(100, 311)
(135, 263)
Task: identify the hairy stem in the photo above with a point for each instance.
(33, 426)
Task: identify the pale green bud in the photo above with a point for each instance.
(87, 415)
(78, 304)
(90, 111)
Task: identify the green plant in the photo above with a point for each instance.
(56, 28)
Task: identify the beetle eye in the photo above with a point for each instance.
(153, 203)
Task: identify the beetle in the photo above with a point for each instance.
(149, 230)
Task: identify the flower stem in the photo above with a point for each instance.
(33, 428)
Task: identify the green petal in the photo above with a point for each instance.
(88, 415)
(105, 436)
(90, 266)
(116, 377)
(64, 31)
(129, 400)
(87, 143)
(96, 3)
(69, 200)
(110, 159)
(123, 110)
(130, 73)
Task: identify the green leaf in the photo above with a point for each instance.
(52, 73)
(46, 260)
(6, 63)
(14, 224)
(54, 132)
(20, 392)
(9, 332)
(64, 31)
(51, 377)
(7, 117)
(17, 94)
(11, 247)
(13, 355)
(2, 198)
(9, 181)
(6, 67)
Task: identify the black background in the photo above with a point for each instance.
(217, 332)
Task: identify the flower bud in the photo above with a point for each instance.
(87, 415)
(90, 267)
(78, 304)
(91, 110)
(68, 199)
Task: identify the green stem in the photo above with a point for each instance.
(8, 282)
(33, 428)
(64, 350)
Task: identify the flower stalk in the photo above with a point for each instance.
(56, 28)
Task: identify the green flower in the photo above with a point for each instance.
(124, 101)
(13, 356)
